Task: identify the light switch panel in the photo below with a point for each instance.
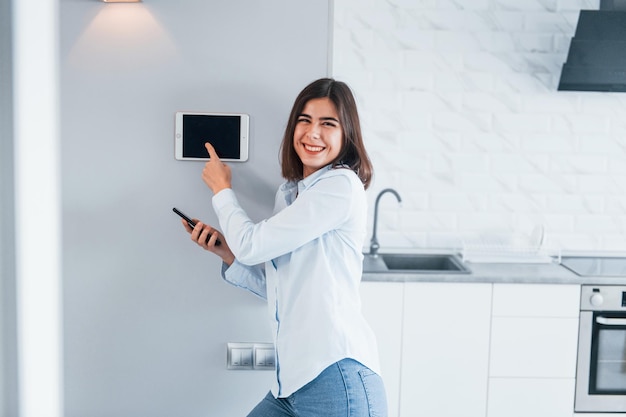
(264, 357)
(242, 356)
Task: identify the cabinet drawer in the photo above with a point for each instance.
(524, 397)
(533, 347)
(533, 300)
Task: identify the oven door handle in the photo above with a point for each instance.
(610, 321)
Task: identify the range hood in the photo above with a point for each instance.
(597, 55)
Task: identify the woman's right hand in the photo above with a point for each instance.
(216, 174)
(200, 235)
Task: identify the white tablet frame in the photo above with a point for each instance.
(179, 135)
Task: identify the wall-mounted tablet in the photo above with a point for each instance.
(227, 132)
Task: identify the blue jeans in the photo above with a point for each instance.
(344, 389)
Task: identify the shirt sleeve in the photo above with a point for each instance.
(251, 278)
(322, 207)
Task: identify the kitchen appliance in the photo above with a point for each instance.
(595, 266)
(595, 61)
(601, 368)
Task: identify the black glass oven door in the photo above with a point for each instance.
(608, 354)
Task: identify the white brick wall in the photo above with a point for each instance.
(462, 116)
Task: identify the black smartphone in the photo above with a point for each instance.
(192, 224)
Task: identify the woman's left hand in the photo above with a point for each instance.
(207, 237)
(216, 175)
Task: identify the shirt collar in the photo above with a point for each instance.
(305, 183)
(291, 189)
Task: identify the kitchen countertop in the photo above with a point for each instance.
(530, 273)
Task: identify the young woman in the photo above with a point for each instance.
(306, 260)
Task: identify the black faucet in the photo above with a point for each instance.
(374, 246)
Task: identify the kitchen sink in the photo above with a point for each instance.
(414, 263)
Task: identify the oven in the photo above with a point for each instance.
(601, 368)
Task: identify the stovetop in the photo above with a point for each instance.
(595, 266)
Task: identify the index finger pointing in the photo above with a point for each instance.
(211, 150)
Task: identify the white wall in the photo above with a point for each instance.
(147, 315)
(462, 117)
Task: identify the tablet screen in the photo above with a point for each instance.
(222, 131)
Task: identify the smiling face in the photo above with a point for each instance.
(318, 136)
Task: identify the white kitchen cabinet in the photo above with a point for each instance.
(536, 397)
(534, 337)
(445, 350)
(475, 349)
(382, 308)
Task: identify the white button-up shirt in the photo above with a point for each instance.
(306, 260)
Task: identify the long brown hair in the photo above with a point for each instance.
(352, 154)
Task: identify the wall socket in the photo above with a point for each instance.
(250, 356)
